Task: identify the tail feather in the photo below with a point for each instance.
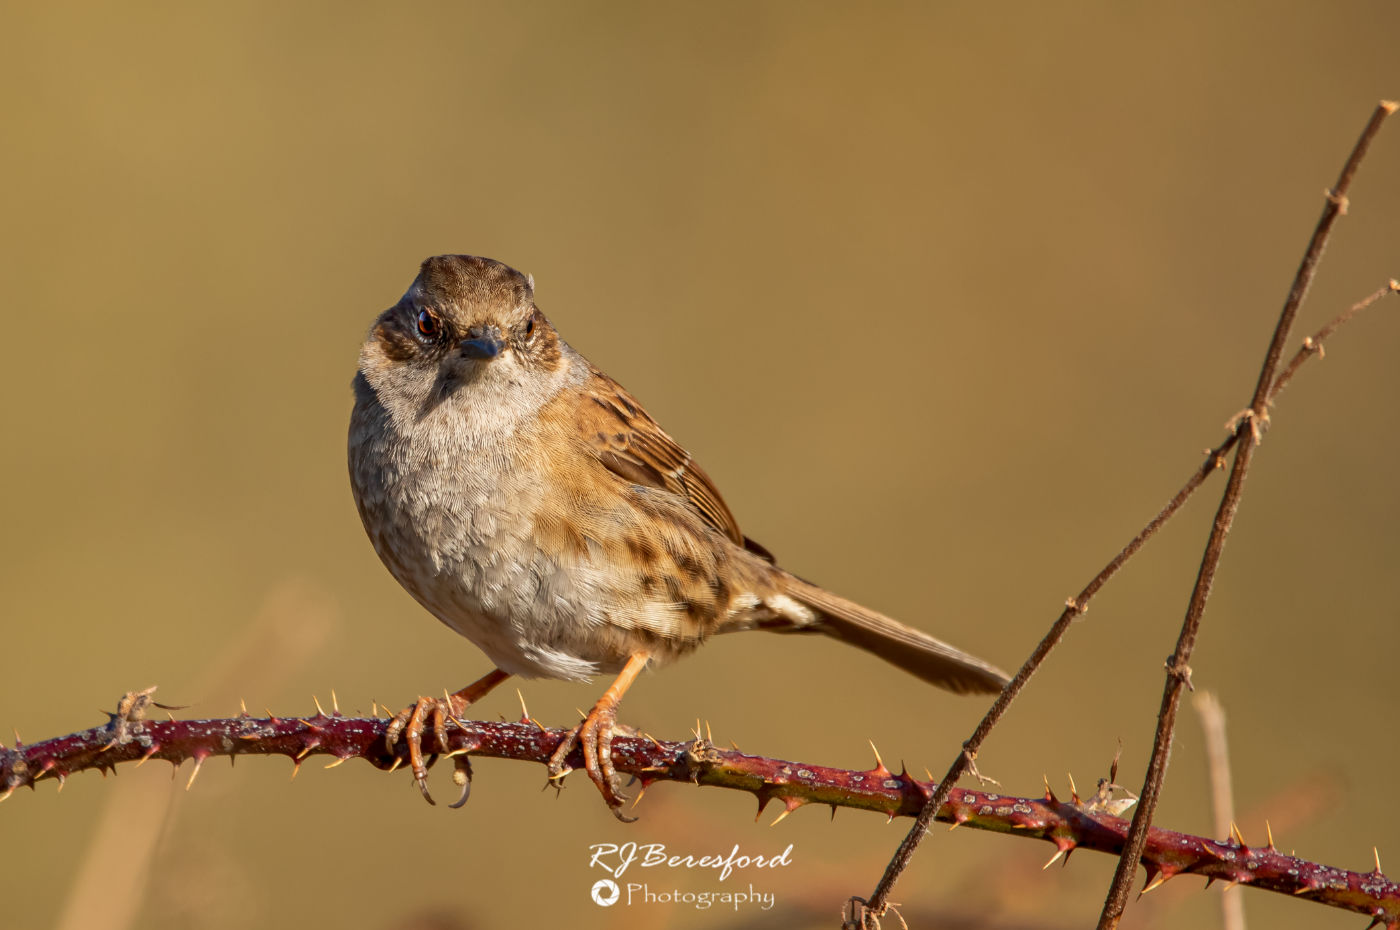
(916, 652)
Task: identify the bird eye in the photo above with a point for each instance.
(529, 327)
(427, 324)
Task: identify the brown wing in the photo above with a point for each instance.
(634, 446)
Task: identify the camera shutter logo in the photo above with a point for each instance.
(605, 892)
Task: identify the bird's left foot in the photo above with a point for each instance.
(596, 734)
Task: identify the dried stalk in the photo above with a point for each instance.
(1222, 795)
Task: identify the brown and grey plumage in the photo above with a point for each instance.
(529, 502)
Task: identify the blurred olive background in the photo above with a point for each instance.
(947, 298)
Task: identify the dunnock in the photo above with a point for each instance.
(530, 503)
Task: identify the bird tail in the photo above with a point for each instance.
(916, 652)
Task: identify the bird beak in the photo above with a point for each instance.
(483, 343)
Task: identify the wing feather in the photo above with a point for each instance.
(633, 446)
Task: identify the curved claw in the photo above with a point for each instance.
(462, 777)
(422, 780)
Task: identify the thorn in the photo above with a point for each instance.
(306, 751)
(1049, 793)
(1303, 889)
(709, 737)
(1157, 881)
(393, 768)
(150, 752)
(320, 712)
(373, 708)
(643, 790)
(341, 760)
(335, 704)
(243, 707)
(954, 825)
(789, 805)
(296, 767)
(1210, 880)
(6, 796)
(732, 744)
(270, 716)
(1375, 851)
(1073, 791)
(1063, 847)
(1237, 836)
(525, 711)
(447, 703)
(879, 768)
(833, 812)
(763, 796)
(198, 764)
(18, 742)
(1270, 832)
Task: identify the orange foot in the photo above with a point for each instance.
(436, 712)
(596, 734)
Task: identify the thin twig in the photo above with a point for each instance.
(868, 911)
(1313, 345)
(1178, 667)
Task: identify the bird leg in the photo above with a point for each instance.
(596, 735)
(436, 711)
